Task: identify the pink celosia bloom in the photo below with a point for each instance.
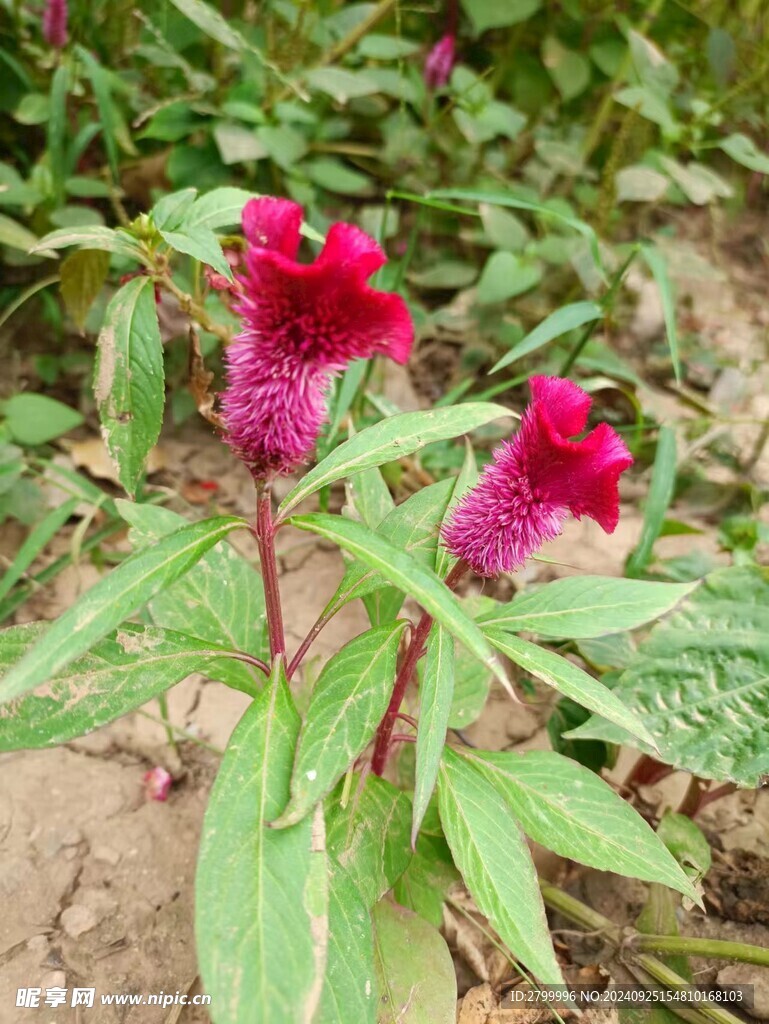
(157, 783)
(537, 479)
(302, 323)
(55, 23)
(440, 62)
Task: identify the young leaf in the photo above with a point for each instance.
(116, 597)
(657, 502)
(346, 706)
(200, 243)
(120, 673)
(261, 909)
(656, 262)
(369, 836)
(404, 572)
(567, 318)
(568, 679)
(83, 274)
(491, 852)
(129, 378)
(391, 439)
(435, 693)
(580, 607)
(571, 810)
(415, 970)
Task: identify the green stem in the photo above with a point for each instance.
(662, 973)
(719, 949)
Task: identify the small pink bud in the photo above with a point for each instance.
(157, 783)
(440, 61)
(55, 23)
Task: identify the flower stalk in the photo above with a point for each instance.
(264, 532)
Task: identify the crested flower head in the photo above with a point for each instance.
(302, 323)
(439, 62)
(537, 479)
(55, 23)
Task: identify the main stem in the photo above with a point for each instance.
(383, 743)
(265, 538)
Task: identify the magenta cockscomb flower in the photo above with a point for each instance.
(439, 62)
(302, 323)
(55, 23)
(537, 479)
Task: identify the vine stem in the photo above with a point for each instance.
(414, 651)
(264, 532)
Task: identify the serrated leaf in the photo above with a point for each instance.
(347, 704)
(580, 607)
(369, 836)
(701, 681)
(221, 599)
(435, 693)
(200, 243)
(129, 384)
(491, 852)
(567, 318)
(391, 439)
(116, 597)
(569, 809)
(404, 572)
(414, 967)
(83, 274)
(570, 680)
(120, 673)
(261, 913)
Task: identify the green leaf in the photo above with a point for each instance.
(687, 843)
(640, 184)
(466, 479)
(744, 150)
(16, 236)
(485, 14)
(382, 47)
(37, 419)
(435, 693)
(415, 970)
(220, 600)
(202, 244)
(261, 910)
(569, 70)
(369, 837)
(347, 704)
(100, 83)
(36, 542)
(341, 84)
(567, 318)
(210, 21)
(219, 208)
(169, 212)
(129, 379)
(471, 686)
(83, 274)
(701, 681)
(491, 852)
(657, 263)
(569, 809)
(91, 236)
(580, 607)
(391, 439)
(430, 874)
(570, 680)
(504, 276)
(369, 498)
(336, 176)
(657, 502)
(404, 572)
(113, 599)
(57, 129)
(119, 674)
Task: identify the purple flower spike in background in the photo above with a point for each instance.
(55, 23)
(537, 479)
(302, 323)
(440, 61)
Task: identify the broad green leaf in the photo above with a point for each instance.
(701, 681)
(383, 47)
(466, 479)
(220, 600)
(435, 693)
(505, 275)
(471, 686)
(36, 419)
(389, 440)
(491, 852)
(569, 70)
(580, 607)
(570, 680)
(336, 176)
(170, 211)
(91, 236)
(129, 379)
(417, 983)
(340, 83)
(484, 14)
(120, 673)
(369, 836)
(116, 597)
(200, 243)
(404, 572)
(369, 497)
(36, 542)
(744, 150)
(567, 318)
(658, 499)
(350, 985)
(640, 184)
(261, 916)
(571, 810)
(211, 21)
(657, 264)
(430, 874)
(83, 274)
(219, 208)
(347, 704)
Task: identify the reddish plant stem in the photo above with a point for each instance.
(307, 643)
(414, 651)
(265, 538)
